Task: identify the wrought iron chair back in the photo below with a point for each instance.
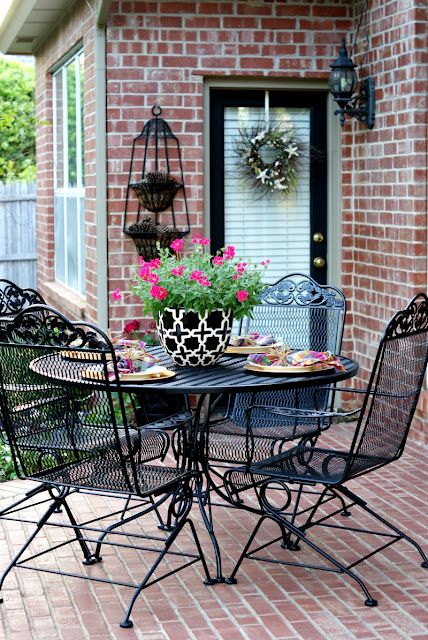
(393, 390)
(54, 423)
(302, 314)
(13, 299)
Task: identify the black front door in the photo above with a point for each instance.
(289, 228)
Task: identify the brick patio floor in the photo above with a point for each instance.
(269, 601)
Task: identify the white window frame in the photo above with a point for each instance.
(66, 192)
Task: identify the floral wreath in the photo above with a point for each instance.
(278, 174)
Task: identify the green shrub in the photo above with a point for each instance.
(7, 470)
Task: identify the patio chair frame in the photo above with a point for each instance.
(111, 465)
(380, 435)
(304, 315)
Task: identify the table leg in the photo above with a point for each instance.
(202, 494)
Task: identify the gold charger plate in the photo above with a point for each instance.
(259, 368)
(140, 376)
(245, 351)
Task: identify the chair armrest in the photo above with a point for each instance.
(340, 389)
(170, 422)
(290, 412)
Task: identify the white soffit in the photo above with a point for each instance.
(28, 22)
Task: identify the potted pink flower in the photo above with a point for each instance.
(195, 296)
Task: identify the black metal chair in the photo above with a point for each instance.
(22, 383)
(385, 416)
(99, 452)
(303, 315)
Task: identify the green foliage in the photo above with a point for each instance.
(17, 121)
(7, 470)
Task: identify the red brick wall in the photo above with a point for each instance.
(76, 26)
(385, 181)
(160, 52)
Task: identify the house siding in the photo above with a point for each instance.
(163, 52)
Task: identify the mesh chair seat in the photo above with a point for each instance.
(105, 473)
(152, 444)
(307, 465)
(228, 440)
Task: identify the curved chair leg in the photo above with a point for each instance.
(119, 523)
(301, 535)
(386, 523)
(127, 622)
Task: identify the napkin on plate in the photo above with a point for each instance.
(252, 340)
(303, 358)
(131, 357)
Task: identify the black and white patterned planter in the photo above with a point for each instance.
(193, 340)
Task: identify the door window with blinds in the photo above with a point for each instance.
(279, 226)
(69, 173)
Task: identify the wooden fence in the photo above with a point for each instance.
(18, 233)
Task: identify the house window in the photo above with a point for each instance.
(69, 173)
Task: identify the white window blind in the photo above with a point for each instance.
(274, 226)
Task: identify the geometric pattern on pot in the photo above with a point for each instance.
(192, 340)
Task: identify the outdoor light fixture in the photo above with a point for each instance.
(343, 81)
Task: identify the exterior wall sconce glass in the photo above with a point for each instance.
(342, 83)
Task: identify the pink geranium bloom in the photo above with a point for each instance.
(242, 295)
(177, 245)
(158, 293)
(230, 252)
(235, 276)
(117, 294)
(153, 278)
(196, 274)
(218, 260)
(240, 267)
(178, 271)
(204, 282)
(204, 241)
(155, 263)
(145, 271)
(195, 238)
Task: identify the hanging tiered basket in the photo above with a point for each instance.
(155, 190)
(147, 235)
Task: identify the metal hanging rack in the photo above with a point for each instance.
(156, 189)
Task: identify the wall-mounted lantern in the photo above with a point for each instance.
(343, 82)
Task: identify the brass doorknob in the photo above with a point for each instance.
(319, 262)
(318, 237)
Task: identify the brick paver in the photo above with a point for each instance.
(270, 602)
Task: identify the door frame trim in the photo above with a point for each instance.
(334, 190)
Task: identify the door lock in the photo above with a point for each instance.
(318, 237)
(319, 262)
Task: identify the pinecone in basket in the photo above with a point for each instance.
(158, 177)
(148, 226)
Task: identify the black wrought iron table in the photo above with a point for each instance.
(227, 376)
